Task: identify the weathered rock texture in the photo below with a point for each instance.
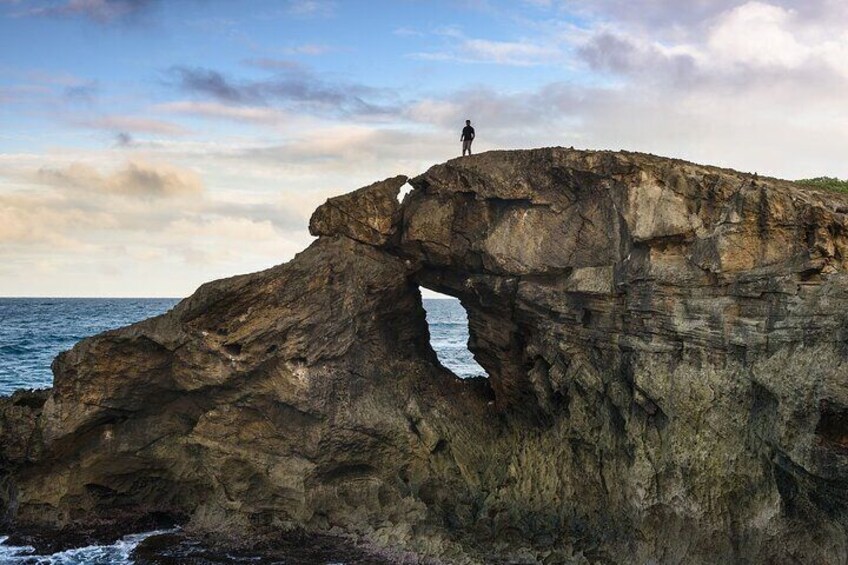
(368, 215)
(666, 345)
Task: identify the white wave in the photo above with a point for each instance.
(117, 553)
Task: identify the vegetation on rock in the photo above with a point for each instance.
(828, 183)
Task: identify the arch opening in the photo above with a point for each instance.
(448, 325)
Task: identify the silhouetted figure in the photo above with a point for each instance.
(467, 137)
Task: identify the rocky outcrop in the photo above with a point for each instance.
(368, 215)
(665, 344)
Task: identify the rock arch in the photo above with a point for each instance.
(665, 343)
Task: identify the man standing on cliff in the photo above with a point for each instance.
(467, 137)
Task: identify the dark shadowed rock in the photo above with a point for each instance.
(20, 442)
(292, 547)
(19, 428)
(666, 346)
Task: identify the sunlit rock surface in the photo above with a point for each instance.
(666, 346)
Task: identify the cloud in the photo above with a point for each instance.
(139, 226)
(100, 11)
(254, 114)
(708, 42)
(217, 240)
(404, 31)
(312, 49)
(227, 228)
(55, 87)
(274, 64)
(747, 84)
(208, 82)
(761, 35)
(741, 47)
(672, 17)
(311, 8)
(547, 115)
(736, 83)
(136, 179)
(518, 53)
(124, 139)
(85, 92)
(524, 52)
(748, 125)
(656, 13)
(36, 221)
(625, 55)
(133, 124)
(294, 86)
(509, 52)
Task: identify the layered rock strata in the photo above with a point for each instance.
(665, 346)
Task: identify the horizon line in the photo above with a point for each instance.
(443, 297)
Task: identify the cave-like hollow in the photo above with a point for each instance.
(494, 339)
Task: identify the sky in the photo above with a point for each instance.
(148, 146)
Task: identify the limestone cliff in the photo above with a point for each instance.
(666, 347)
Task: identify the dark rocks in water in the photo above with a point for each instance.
(666, 351)
(294, 547)
(96, 531)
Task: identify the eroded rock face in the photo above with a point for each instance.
(666, 345)
(368, 215)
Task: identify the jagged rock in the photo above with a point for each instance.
(368, 215)
(20, 441)
(666, 349)
(19, 427)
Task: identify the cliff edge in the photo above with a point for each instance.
(666, 348)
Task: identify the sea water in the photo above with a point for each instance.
(34, 330)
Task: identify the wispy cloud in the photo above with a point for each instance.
(133, 124)
(137, 179)
(124, 139)
(311, 8)
(518, 53)
(208, 82)
(270, 64)
(85, 92)
(311, 49)
(100, 11)
(457, 46)
(216, 110)
(405, 31)
(295, 86)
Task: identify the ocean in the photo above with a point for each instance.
(34, 330)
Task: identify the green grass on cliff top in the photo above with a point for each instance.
(828, 183)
